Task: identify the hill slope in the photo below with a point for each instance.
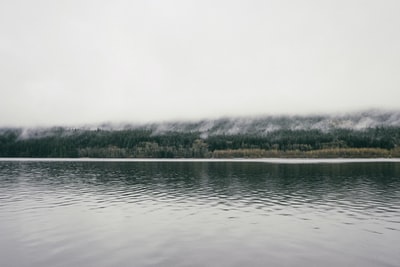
(364, 134)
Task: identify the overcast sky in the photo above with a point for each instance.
(74, 62)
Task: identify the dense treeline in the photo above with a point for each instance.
(144, 143)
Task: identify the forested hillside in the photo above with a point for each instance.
(376, 135)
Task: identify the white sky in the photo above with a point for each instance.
(68, 62)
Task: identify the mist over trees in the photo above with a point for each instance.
(375, 135)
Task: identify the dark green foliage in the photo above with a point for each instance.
(61, 142)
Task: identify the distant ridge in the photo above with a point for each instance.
(369, 134)
(256, 125)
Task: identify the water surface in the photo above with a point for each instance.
(82, 213)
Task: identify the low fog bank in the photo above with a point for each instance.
(265, 124)
(259, 125)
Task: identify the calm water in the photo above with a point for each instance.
(199, 214)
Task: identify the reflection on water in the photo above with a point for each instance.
(199, 214)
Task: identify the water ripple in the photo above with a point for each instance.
(183, 213)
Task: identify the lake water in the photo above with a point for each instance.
(82, 213)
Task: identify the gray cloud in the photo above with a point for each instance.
(65, 62)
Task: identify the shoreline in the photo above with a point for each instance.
(261, 160)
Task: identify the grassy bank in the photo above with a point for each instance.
(320, 153)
